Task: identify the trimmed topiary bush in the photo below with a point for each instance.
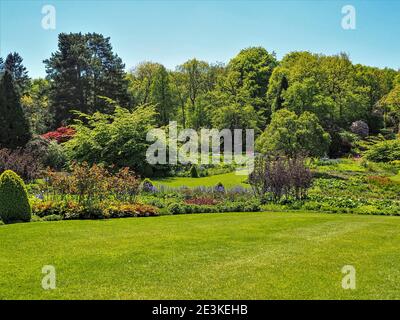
(193, 172)
(14, 203)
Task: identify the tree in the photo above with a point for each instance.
(14, 128)
(234, 116)
(13, 64)
(117, 140)
(248, 76)
(150, 83)
(377, 83)
(391, 105)
(82, 72)
(36, 106)
(195, 73)
(161, 96)
(195, 79)
(243, 84)
(180, 95)
(290, 134)
(325, 85)
(140, 82)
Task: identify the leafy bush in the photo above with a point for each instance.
(202, 201)
(42, 208)
(25, 164)
(246, 206)
(385, 151)
(280, 176)
(130, 210)
(14, 203)
(124, 185)
(36, 218)
(52, 217)
(94, 183)
(348, 142)
(118, 139)
(290, 134)
(37, 147)
(70, 209)
(175, 208)
(388, 133)
(55, 156)
(368, 209)
(62, 134)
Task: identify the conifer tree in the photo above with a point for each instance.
(14, 128)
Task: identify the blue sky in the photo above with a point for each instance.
(170, 32)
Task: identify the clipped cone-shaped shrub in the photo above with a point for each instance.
(193, 172)
(14, 202)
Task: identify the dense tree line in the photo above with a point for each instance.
(319, 96)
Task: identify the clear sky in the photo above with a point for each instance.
(170, 32)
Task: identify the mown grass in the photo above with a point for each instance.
(229, 180)
(204, 256)
(396, 178)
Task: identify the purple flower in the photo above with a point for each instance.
(219, 187)
(39, 196)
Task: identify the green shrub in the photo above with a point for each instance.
(385, 151)
(56, 157)
(122, 133)
(52, 217)
(41, 209)
(1, 222)
(368, 209)
(14, 203)
(175, 208)
(123, 210)
(36, 218)
(69, 210)
(194, 172)
(312, 206)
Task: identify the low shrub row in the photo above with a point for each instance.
(249, 206)
(346, 205)
(69, 210)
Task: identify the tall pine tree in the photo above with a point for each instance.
(13, 64)
(82, 71)
(14, 128)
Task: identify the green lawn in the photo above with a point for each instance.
(204, 256)
(396, 178)
(229, 180)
